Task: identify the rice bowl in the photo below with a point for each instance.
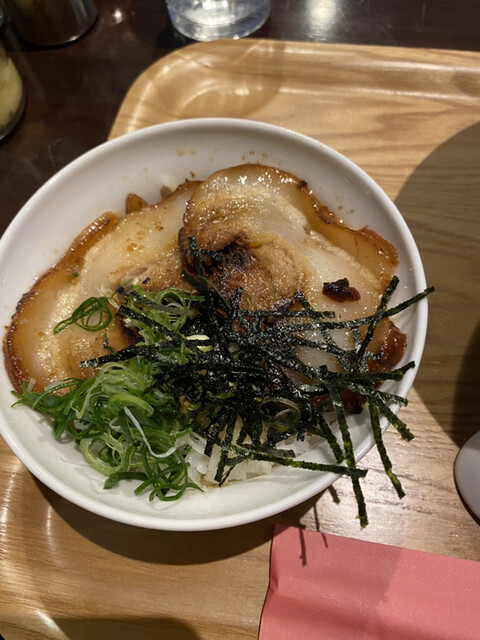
(143, 162)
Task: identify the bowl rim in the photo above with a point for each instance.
(321, 481)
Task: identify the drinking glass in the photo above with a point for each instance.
(214, 19)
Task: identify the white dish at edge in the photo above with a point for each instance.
(467, 473)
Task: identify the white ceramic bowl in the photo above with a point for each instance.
(141, 162)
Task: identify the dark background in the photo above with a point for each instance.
(74, 91)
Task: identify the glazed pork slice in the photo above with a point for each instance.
(257, 228)
(262, 229)
(110, 252)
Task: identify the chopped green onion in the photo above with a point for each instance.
(92, 315)
(203, 367)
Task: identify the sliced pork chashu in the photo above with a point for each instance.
(262, 229)
(140, 247)
(258, 228)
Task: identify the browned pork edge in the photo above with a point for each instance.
(61, 274)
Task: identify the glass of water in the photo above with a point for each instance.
(215, 19)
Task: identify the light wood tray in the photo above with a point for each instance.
(411, 119)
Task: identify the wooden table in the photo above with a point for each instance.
(407, 115)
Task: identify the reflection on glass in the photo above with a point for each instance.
(322, 17)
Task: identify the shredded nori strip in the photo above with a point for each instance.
(242, 384)
(253, 359)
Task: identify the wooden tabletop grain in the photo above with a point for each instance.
(407, 113)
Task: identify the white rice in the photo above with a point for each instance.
(202, 468)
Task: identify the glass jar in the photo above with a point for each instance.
(12, 96)
(51, 22)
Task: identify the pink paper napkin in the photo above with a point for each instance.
(335, 588)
